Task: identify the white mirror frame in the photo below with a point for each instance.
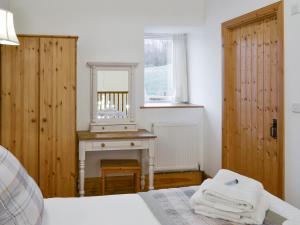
(98, 66)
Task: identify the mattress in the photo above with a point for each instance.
(128, 209)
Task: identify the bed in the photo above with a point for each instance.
(160, 207)
(21, 202)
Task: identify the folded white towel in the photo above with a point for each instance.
(291, 222)
(255, 217)
(240, 197)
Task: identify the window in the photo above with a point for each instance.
(165, 70)
(158, 69)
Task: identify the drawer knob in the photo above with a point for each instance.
(103, 128)
(132, 143)
(125, 127)
(102, 145)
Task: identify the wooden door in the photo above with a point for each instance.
(58, 116)
(19, 126)
(253, 96)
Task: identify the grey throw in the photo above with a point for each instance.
(171, 207)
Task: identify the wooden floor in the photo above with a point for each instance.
(125, 184)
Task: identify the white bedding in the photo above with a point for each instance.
(127, 209)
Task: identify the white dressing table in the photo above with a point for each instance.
(111, 141)
(112, 126)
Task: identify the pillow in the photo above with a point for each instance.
(21, 201)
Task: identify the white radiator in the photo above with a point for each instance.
(179, 146)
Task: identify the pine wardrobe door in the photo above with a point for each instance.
(58, 117)
(19, 125)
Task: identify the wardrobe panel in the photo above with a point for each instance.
(20, 102)
(58, 117)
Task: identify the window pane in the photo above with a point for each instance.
(158, 69)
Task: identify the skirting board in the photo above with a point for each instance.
(124, 184)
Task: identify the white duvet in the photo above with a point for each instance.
(127, 209)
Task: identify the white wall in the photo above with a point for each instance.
(196, 86)
(292, 95)
(209, 85)
(109, 30)
(4, 4)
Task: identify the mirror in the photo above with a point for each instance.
(111, 93)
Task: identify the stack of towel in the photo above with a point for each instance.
(233, 197)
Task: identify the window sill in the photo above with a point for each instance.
(169, 106)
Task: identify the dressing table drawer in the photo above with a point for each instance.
(114, 128)
(114, 145)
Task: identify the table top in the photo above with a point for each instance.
(140, 134)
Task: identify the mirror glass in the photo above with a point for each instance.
(112, 94)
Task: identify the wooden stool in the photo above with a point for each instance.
(121, 166)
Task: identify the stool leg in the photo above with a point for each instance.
(103, 183)
(137, 176)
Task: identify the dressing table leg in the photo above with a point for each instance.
(142, 160)
(81, 177)
(81, 168)
(151, 165)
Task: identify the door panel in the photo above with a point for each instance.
(20, 102)
(252, 88)
(259, 148)
(58, 117)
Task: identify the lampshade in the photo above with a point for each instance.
(7, 30)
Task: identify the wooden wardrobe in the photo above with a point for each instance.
(38, 109)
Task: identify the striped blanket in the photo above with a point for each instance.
(171, 207)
